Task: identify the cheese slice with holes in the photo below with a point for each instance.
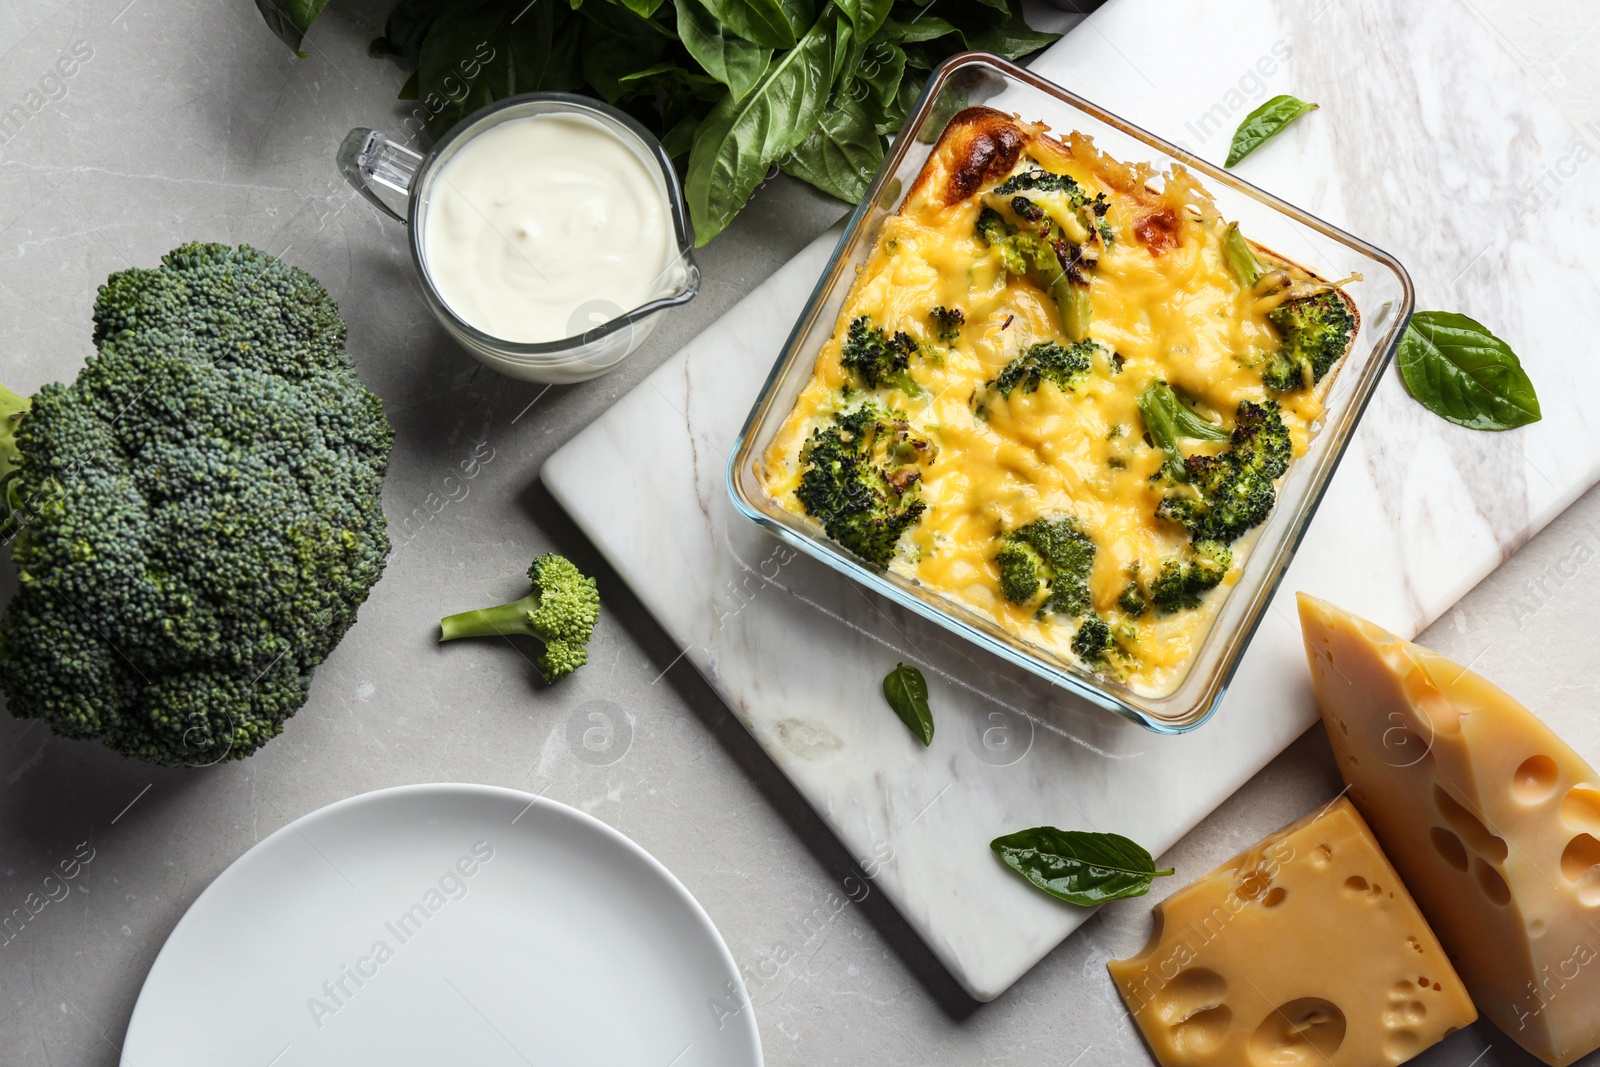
(1304, 951)
(1493, 821)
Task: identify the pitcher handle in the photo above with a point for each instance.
(368, 158)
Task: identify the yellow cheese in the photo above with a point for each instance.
(1179, 315)
(1304, 951)
(1491, 818)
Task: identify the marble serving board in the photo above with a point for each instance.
(1431, 142)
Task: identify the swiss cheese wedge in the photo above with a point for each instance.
(1303, 951)
(1493, 821)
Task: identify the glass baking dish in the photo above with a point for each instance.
(1383, 298)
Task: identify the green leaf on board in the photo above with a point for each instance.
(907, 693)
(1078, 866)
(1461, 372)
(1263, 123)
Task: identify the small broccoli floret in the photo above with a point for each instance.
(861, 479)
(200, 511)
(879, 358)
(1093, 640)
(560, 611)
(1047, 361)
(1316, 332)
(1131, 600)
(1047, 562)
(1169, 421)
(1233, 491)
(1182, 585)
(947, 323)
(12, 408)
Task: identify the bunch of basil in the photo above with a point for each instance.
(736, 86)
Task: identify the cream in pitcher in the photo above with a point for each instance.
(539, 219)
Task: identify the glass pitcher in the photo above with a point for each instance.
(601, 334)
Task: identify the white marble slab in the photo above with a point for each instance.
(1431, 142)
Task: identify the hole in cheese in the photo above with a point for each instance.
(1203, 1032)
(1356, 884)
(1274, 897)
(1494, 887)
(1589, 887)
(1536, 780)
(1449, 846)
(1191, 992)
(1581, 809)
(1468, 825)
(1581, 853)
(1304, 1031)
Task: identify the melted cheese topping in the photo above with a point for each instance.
(1180, 316)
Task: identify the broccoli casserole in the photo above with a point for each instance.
(1062, 392)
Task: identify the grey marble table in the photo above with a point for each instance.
(185, 120)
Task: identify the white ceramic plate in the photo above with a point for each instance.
(441, 925)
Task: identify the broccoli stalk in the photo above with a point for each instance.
(1241, 257)
(1169, 421)
(561, 611)
(12, 408)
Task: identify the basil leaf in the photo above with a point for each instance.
(740, 139)
(1011, 38)
(866, 15)
(907, 693)
(642, 8)
(729, 59)
(407, 27)
(1461, 372)
(1265, 121)
(290, 19)
(617, 47)
(842, 153)
(915, 31)
(478, 54)
(1077, 866)
(768, 23)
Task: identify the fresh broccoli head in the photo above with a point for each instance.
(947, 323)
(199, 511)
(560, 611)
(861, 479)
(1047, 361)
(1182, 585)
(879, 358)
(1316, 333)
(1226, 494)
(1047, 563)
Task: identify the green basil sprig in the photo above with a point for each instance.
(1461, 372)
(1265, 122)
(813, 87)
(1078, 866)
(907, 693)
